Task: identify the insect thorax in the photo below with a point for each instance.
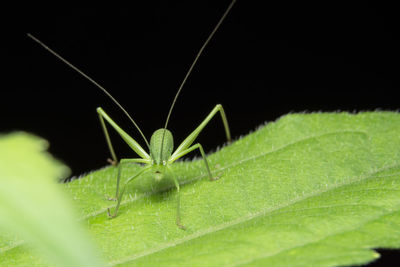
(156, 143)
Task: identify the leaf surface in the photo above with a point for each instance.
(309, 189)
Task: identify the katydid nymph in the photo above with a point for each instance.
(161, 145)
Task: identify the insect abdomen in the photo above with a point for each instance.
(156, 143)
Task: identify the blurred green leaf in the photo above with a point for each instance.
(34, 208)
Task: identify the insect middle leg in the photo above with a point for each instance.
(122, 162)
(203, 155)
(119, 197)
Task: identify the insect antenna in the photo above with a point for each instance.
(91, 80)
(191, 68)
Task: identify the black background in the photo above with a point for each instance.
(264, 62)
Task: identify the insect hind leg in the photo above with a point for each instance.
(192, 137)
(113, 161)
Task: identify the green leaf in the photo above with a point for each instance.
(310, 189)
(34, 208)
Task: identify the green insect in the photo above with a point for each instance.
(161, 145)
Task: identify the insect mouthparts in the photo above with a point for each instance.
(158, 175)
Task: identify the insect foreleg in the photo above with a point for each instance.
(119, 197)
(178, 206)
(190, 139)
